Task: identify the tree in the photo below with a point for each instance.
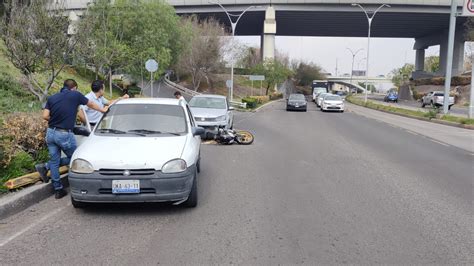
(305, 73)
(251, 58)
(275, 72)
(432, 64)
(203, 54)
(37, 42)
(403, 74)
(125, 33)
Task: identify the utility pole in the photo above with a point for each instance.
(354, 54)
(449, 61)
(369, 20)
(233, 26)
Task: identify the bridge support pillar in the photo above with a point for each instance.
(268, 37)
(420, 60)
(458, 56)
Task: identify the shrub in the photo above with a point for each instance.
(21, 132)
(251, 102)
(20, 163)
(261, 99)
(276, 96)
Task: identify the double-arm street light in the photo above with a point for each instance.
(354, 54)
(369, 19)
(233, 25)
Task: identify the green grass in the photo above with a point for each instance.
(429, 115)
(16, 98)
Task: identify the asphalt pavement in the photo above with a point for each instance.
(314, 188)
(455, 110)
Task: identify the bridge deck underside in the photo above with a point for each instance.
(343, 24)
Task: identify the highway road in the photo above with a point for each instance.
(455, 110)
(314, 188)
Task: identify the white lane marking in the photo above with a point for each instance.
(412, 132)
(31, 226)
(435, 141)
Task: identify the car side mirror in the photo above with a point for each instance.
(231, 108)
(198, 131)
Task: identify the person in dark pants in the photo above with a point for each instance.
(60, 111)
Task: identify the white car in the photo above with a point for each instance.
(317, 91)
(212, 111)
(142, 150)
(332, 103)
(320, 98)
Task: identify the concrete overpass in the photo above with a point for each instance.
(354, 83)
(426, 21)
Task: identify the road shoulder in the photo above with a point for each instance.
(457, 137)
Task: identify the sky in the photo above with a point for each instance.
(386, 54)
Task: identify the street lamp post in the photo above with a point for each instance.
(369, 19)
(354, 54)
(233, 25)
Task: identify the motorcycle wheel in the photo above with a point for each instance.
(244, 137)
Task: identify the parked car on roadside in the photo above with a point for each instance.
(296, 102)
(320, 98)
(212, 111)
(436, 99)
(142, 150)
(391, 96)
(332, 103)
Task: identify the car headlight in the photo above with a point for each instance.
(174, 166)
(221, 118)
(81, 166)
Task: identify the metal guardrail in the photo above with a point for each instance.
(181, 88)
(194, 93)
(241, 105)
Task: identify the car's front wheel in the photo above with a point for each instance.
(192, 200)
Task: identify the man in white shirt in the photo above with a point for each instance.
(97, 96)
(180, 97)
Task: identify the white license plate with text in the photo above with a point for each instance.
(125, 186)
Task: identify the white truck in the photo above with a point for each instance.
(436, 99)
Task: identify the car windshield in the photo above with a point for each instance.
(439, 94)
(143, 119)
(322, 95)
(296, 97)
(208, 102)
(332, 98)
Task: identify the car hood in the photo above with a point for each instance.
(333, 102)
(130, 152)
(207, 112)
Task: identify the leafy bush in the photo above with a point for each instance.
(276, 96)
(251, 102)
(20, 163)
(455, 81)
(261, 99)
(21, 132)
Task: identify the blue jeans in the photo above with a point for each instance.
(58, 141)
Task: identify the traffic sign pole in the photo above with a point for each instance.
(152, 66)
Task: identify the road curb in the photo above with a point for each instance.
(270, 102)
(14, 203)
(436, 121)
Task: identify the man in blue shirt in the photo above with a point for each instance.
(60, 111)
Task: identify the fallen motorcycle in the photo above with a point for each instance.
(229, 136)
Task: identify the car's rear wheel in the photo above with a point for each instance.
(422, 104)
(192, 200)
(77, 204)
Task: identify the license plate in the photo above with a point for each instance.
(125, 186)
(297, 106)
